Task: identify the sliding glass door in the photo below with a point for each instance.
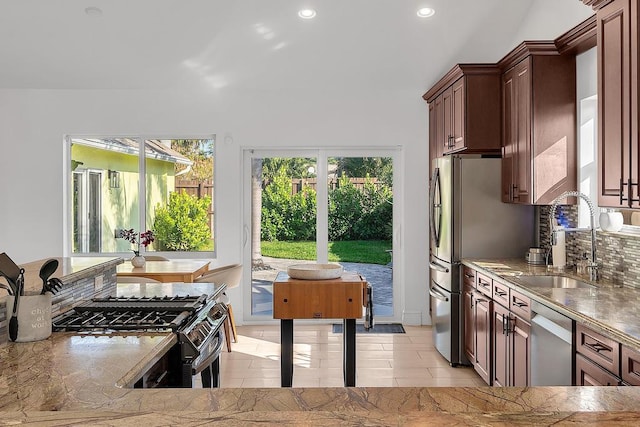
(321, 206)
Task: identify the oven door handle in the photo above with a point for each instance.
(437, 295)
(438, 267)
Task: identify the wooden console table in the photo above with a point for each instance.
(341, 298)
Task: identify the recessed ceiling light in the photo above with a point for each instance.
(93, 11)
(307, 13)
(426, 12)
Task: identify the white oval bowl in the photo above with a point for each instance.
(314, 271)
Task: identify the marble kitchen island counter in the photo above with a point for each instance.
(69, 378)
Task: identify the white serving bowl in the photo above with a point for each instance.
(314, 271)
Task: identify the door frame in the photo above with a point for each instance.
(321, 155)
(84, 200)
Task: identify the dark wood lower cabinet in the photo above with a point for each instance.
(468, 306)
(500, 344)
(590, 374)
(521, 346)
(511, 349)
(482, 363)
(630, 366)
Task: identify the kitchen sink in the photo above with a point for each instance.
(555, 282)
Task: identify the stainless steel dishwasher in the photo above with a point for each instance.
(551, 347)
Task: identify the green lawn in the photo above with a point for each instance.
(366, 251)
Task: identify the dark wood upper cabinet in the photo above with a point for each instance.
(464, 111)
(618, 102)
(617, 128)
(538, 123)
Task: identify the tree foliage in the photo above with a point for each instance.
(200, 152)
(354, 214)
(182, 225)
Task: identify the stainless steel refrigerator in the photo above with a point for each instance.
(467, 220)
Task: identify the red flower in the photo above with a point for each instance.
(135, 238)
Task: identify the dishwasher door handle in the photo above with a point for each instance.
(552, 327)
(437, 295)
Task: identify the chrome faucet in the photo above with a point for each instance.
(592, 267)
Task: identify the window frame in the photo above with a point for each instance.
(141, 138)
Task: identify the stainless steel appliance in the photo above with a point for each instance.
(551, 347)
(467, 220)
(197, 321)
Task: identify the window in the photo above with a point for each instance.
(109, 177)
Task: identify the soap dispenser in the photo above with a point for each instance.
(559, 250)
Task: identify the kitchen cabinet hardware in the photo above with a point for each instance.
(630, 199)
(597, 347)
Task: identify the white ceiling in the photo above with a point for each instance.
(259, 44)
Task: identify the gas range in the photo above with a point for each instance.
(196, 320)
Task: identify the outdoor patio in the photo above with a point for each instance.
(379, 276)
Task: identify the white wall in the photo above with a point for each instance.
(33, 123)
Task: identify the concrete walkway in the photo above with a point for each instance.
(379, 276)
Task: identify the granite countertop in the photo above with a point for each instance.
(73, 378)
(83, 379)
(610, 309)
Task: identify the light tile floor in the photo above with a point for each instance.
(383, 360)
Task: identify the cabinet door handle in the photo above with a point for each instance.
(597, 347)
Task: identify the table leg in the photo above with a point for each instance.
(349, 356)
(215, 373)
(205, 375)
(286, 352)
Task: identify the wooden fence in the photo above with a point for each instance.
(199, 189)
(297, 184)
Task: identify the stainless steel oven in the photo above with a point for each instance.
(196, 320)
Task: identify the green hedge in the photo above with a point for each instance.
(353, 214)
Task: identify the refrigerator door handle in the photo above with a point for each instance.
(438, 267)
(438, 295)
(435, 186)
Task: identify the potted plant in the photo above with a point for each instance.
(137, 239)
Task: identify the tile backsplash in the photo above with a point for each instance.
(78, 289)
(618, 253)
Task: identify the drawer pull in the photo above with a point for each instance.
(469, 276)
(520, 304)
(484, 284)
(597, 347)
(500, 293)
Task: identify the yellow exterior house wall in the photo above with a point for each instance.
(120, 206)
